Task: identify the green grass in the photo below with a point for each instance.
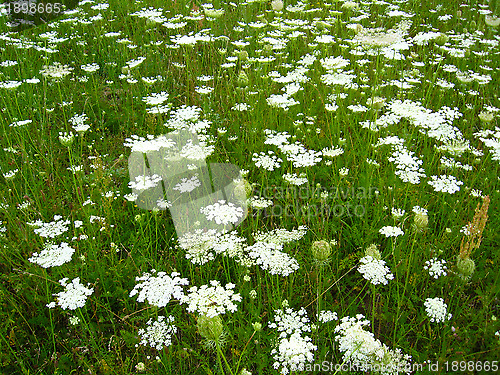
(130, 241)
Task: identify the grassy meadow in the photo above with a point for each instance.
(365, 238)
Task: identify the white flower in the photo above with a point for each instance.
(158, 334)
(199, 245)
(158, 290)
(436, 309)
(140, 367)
(144, 182)
(57, 71)
(275, 138)
(74, 296)
(10, 174)
(294, 179)
(281, 236)
(187, 185)
(267, 161)
(269, 257)
(375, 270)
(436, 267)
(78, 122)
(363, 352)
(52, 229)
(326, 316)
(332, 152)
(281, 101)
(240, 107)
(259, 203)
(90, 68)
(419, 210)
(408, 166)
(66, 139)
(163, 204)
(53, 255)
(397, 213)
(198, 151)
(446, 184)
(229, 244)
(148, 144)
(334, 63)
(156, 98)
(277, 5)
(293, 353)
(294, 349)
(389, 231)
(343, 171)
(301, 157)
(211, 300)
(222, 212)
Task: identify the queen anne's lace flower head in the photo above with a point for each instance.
(211, 300)
(158, 334)
(294, 349)
(199, 245)
(389, 231)
(53, 255)
(363, 352)
(326, 316)
(436, 267)
(74, 296)
(159, 289)
(52, 229)
(223, 213)
(269, 257)
(445, 184)
(375, 270)
(436, 310)
(268, 161)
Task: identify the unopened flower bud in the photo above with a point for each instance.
(320, 25)
(347, 5)
(441, 39)
(372, 251)
(277, 5)
(66, 139)
(267, 49)
(421, 221)
(243, 79)
(321, 250)
(210, 328)
(492, 21)
(486, 116)
(466, 266)
(242, 189)
(243, 55)
(376, 102)
(257, 326)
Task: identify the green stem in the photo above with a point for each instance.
(50, 312)
(219, 355)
